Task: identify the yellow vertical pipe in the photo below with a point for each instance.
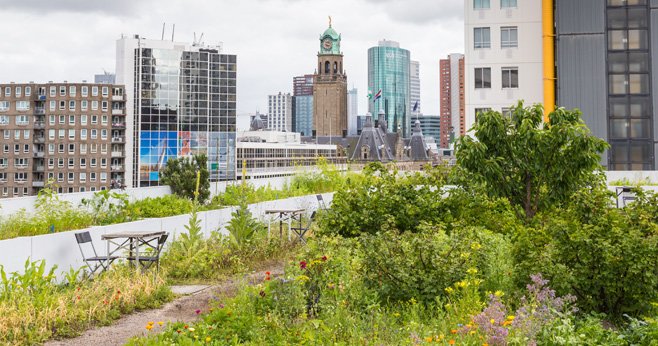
(548, 37)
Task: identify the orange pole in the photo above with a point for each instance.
(548, 38)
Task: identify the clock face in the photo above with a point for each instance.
(327, 44)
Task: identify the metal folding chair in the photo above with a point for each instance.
(301, 231)
(321, 203)
(94, 262)
(154, 246)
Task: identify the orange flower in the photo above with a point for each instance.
(428, 339)
(451, 341)
(454, 331)
(149, 326)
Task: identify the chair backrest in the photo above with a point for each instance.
(161, 241)
(319, 197)
(311, 219)
(84, 238)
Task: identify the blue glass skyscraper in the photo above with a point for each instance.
(388, 71)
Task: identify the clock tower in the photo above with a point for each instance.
(330, 88)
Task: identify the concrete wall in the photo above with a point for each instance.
(633, 176)
(654, 71)
(61, 249)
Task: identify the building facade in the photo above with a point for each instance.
(388, 71)
(182, 101)
(352, 111)
(451, 81)
(69, 134)
(503, 55)
(414, 87)
(279, 112)
(303, 114)
(607, 66)
(302, 85)
(330, 88)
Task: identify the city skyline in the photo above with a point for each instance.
(270, 45)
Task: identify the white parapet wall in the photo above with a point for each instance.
(61, 249)
(633, 177)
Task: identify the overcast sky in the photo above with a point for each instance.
(274, 40)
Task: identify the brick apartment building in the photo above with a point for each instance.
(69, 134)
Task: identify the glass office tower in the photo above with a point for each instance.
(388, 71)
(184, 104)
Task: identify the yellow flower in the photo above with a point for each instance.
(485, 344)
(207, 339)
(492, 321)
(451, 341)
(150, 323)
(499, 293)
(472, 271)
(476, 246)
(149, 326)
(449, 290)
(510, 317)
(160, 323)
(396, 314)
(303, 278)
(428, 339)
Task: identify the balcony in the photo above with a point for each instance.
(39, 168)
(39, 125)
(38, 184)
(118, 139)
(117, 111)
(116, 168)
(41, 97)
(39, 111)
(118, 125)
(39, 140)
(117, 98)
(39, 154)
(117, 154)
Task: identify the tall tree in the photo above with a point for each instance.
(181, 175)
(531, 163)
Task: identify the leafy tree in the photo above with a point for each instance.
(531, 163)
(181, 175)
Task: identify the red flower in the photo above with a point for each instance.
(267, 276)
(178, 331)
(185, 326)
(118, 291)
(324, 258)
(197, 311)
(302, 264)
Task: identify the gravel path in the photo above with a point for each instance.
(181, 309)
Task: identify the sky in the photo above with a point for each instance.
(46, 40)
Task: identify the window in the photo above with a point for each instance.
(83, 148)
(507, 112)
(6, 148)
(71, 119)
(509, 37)
(103, 162)
(103, 149)
(21, 176)
(94, 91)
(17, 148)
(72, 134)
(83, 177)
(22, 105)
(92, 175)
(481, 37)
(28, 91)
(62, 105)
(60, 177)
(481, 4)
(5, 191)
(72, 91)
(62, 91)
(71, 176)
(26, 148)
(4, 120)
(21, 120)
(3, 177)
(94, 105)
(71, 162)
(104, 106)
(62, 119)
(71, 148)
(71, 105)
(507, 3)
(93, 148)
(83, 134)
(51, 176)
(52, 119)
(53, 105)
(4, 106)
(94, 119)
(7, 91)
(21, 163)
(84, 105)
(85, 91)
(61, 148)
(103, 177)
(17, 134)
(60, 162)
(83, 163)
(94, 133)
(19, 91)
(105, 91)
(51, 163)
(104, 119)
(104, 134)
(7, 134)
(51, 148)
(483, 77)
(61, 133)
(510, 76)
(83, 120)
(3, 163)
(53, 91)
(26, 134)
(93, 162)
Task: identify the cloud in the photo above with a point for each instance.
(114, 7)
(420, 11)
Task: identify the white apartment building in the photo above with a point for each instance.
(414, 86)
(279, 112)
(503, 54)
(352, 111)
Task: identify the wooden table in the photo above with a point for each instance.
(284, 214)
(130, 241)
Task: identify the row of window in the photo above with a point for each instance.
(509, 37)
(486, 4)
(72, 91)
(116, 148)
(509, 77)
(20, 120)
(25, 191)
(82, 177)
(72, 106)
(93, 134)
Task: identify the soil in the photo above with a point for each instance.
(181, 309)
